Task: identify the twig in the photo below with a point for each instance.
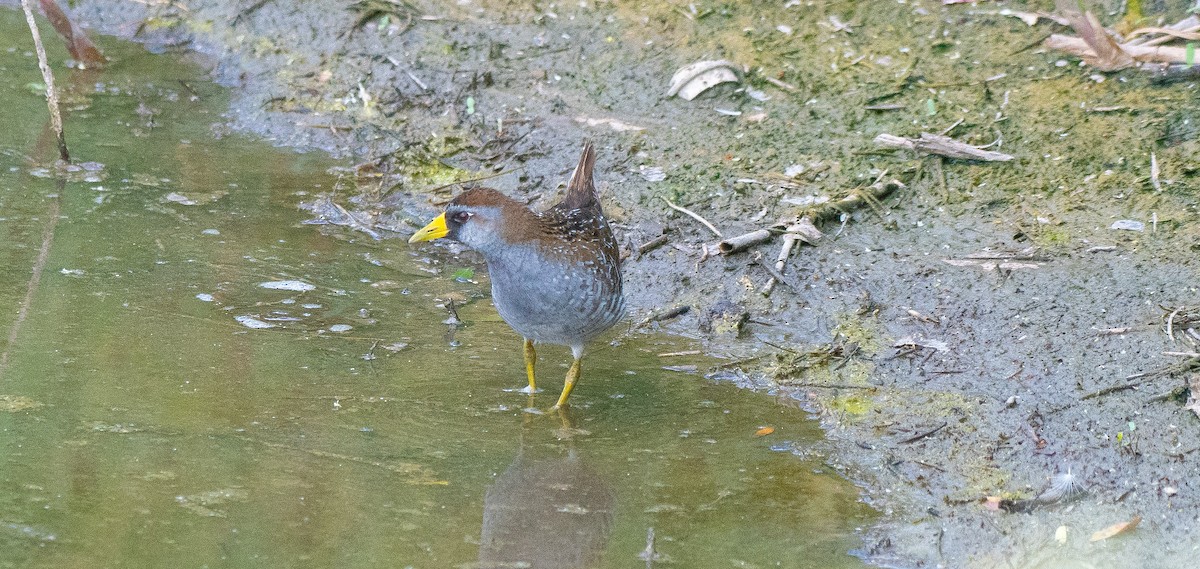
(652, 244)
(942, 146)
(414, 78)
(833, 210)
(802, 230)
(694, 216)
(1176, 392)
(1171, 324)
(744, 241)
(778, 83)
(829, 385)
(1152, 53)
(1140, 37)
(916, 438)
(677, 354)
(1154, 173)
(665, 315)
(775, 274)
(1108, 390)
(39, 267)
(48, 77)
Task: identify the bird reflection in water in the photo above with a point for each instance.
(546, 512)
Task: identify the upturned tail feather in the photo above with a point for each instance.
(581, 190)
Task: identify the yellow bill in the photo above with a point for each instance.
(435, 230)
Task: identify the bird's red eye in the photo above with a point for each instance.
(460, 217)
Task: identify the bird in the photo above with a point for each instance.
(556, 274)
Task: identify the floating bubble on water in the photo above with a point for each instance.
(341, 328)
(296, 286)
(210, 232)
(205, 297)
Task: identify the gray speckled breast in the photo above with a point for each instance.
(552, 301)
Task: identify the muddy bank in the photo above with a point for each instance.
(985, 331)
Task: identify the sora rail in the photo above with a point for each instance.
(556, 274)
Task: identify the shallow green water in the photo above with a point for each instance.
(142, 424)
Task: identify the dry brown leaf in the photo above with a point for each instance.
(1116, 529)
(82, 49)
(764, 431)
(1107, 55)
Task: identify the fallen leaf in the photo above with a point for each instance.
(1107, 54)
(1060, 535)
(82, 49)
(764, 431)
(1116, 529)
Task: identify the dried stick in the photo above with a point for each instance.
(48, 77)
(35, 277)
(652, 244)
(802, 230)
(920, 436)
(942, 146)
(744, 241)
(1153, 53)
(694, 216)
(1171, 324)
(668, 314)
(775, 274)
(871, 194)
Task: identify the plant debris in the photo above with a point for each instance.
(1116, 529)
(691, 80)
(940, 145)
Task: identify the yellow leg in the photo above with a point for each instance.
(530, 360)
(568, 384)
